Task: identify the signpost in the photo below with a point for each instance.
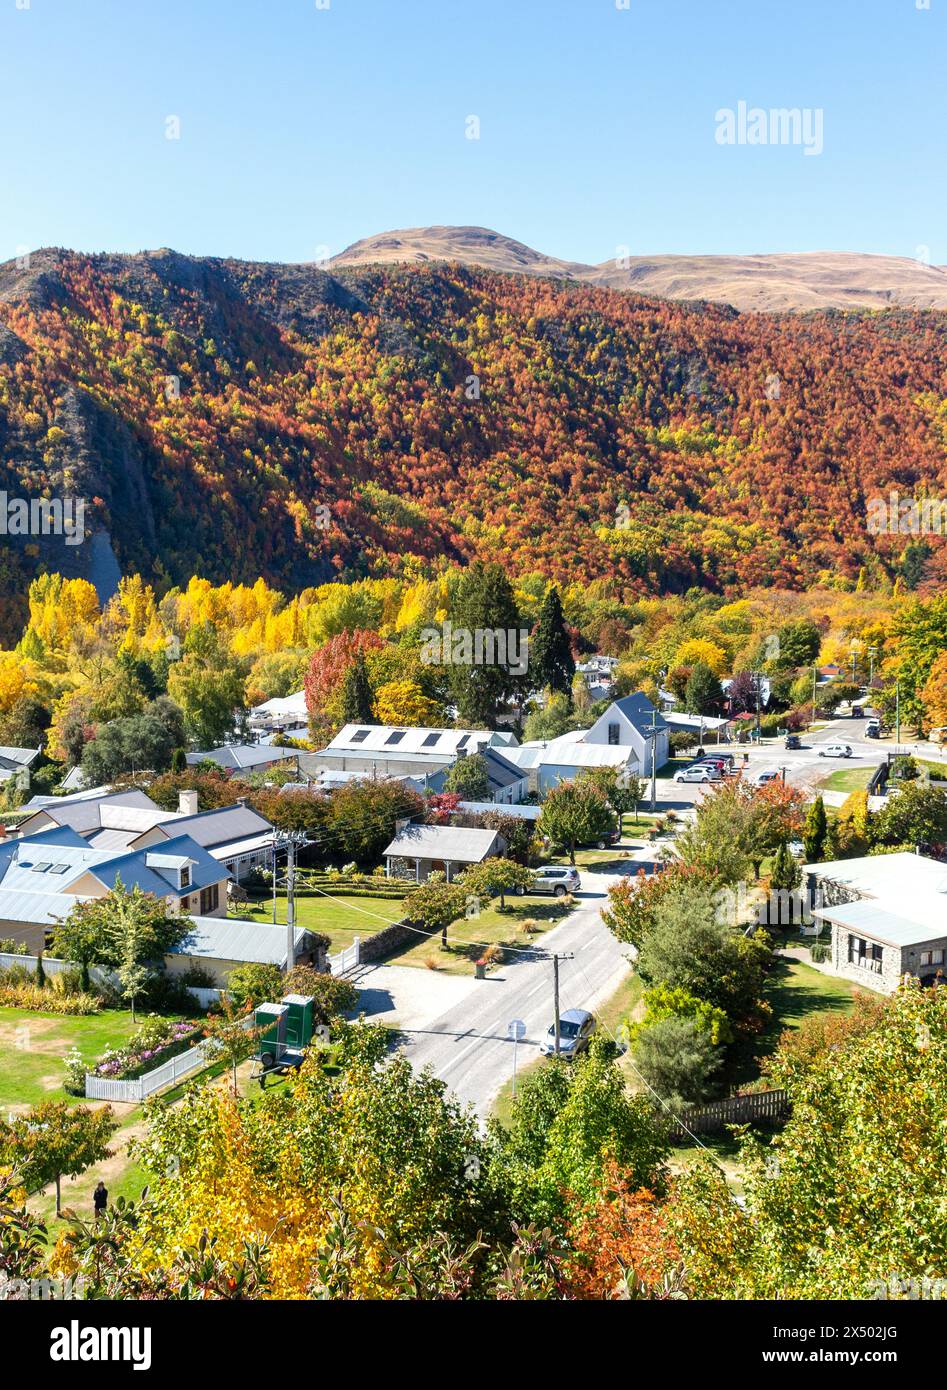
(515, 1029)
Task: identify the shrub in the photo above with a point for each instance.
(254, 984)
(333, 995)
(820, 951)
(26, 996)
(677, 1059)
(74, 1084)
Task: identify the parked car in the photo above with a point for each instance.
(556, 879)
(698, 773)
(835, 750)
(770, 775)
(873, 728)
(793, 741)
(576, 1027)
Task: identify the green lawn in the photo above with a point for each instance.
(847, 779)
(795, 991)
(340, 917)
(467, 937)
(33, 1045)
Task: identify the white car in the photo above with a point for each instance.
(697, 774)
(835, 750)
(761, 778)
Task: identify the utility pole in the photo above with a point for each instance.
(757, 678)
(556, 957)
(290, 905)
(897, 713)
(815, 672)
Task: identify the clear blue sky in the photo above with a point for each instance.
(304, 128)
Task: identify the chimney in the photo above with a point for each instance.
(187, 803)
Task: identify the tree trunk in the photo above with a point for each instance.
(572, 853)
(58, 1197)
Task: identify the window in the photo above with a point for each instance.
(210, 897)
(360, 736)
(614, 730)
(430, 741)
(867, 955)
(396, 737)
(932, 957)
(186, 876)
(464, 741)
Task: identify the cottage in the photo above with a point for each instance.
(887, 914)
(387, 750)
(633, 722)
(417, 851)
(220, 945)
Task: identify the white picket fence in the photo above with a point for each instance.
(346, 960)
(135, 1091)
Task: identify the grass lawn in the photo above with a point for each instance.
(467, 937)
(847, 779)
(33, 1045)
(339, 917)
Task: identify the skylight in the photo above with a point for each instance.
(396, 737)
(430, 741)
(360, 735)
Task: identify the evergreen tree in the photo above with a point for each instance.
(814, 833)
(550, 653)
(357, 695)
(487, 655)
(785, 874)
(704, 694)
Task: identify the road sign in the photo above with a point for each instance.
(516, 1029)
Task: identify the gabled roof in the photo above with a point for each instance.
(17, 757)
(500, 769)
(569, 751)
(238, 756)
(135, 871)
(221, 825)
(639, 711)
(891, 921)
(233, 938)
(396, 739)
(456, 843)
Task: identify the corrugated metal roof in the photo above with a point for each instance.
(237, 938)
(890, 922)
(457, 843)
(39, 909)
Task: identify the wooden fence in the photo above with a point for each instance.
(735, 1110)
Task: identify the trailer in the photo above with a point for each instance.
(284, 1035)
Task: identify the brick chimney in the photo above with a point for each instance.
(187, 803)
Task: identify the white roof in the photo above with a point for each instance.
(395, 738)
(895, 922)
(282, 705)
(457, 843)
(568, 751)
(902, 875)
(38, 909)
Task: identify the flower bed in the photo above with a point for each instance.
(154, 1043)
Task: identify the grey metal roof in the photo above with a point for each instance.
(238, 756)
(482, 808)
(38, 909)
(639, 710)
(459, 844)
(237, 938)
(892, 923)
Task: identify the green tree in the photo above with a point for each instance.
(677, 1059)
(358, 698)
(136, 744)
(815, 831)
(485, 608)
(435, 904)
(469, 778)
(917, 815)
(551, 663)
(54, 1140)
(575, 813)
(552, 719)
(496, 876)
(785, 875)
(703, 694)
(255, 983)
(208, 684)
(229, 1039)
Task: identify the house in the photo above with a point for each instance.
(239, 838)
(633, 722)
(484, 808)
(282, 715)
(16, 763)
(549, 762)
(387, 750)
(887, 914)
(246, 757)
(598, 672)
(509, 783)
(42, 876)
(419, 850)
(220, 945)
(236, 836)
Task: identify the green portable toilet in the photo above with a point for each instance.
(299, 1016)
(270, 1019)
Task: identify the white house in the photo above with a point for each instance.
(887, 914)
(633, 722)
(285, 714)
(551, 761)
(388, 750)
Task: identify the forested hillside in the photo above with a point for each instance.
(239, 420)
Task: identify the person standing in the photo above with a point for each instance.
(100, 1199)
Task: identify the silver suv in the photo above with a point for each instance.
(555, 879)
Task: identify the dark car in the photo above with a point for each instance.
(793, 741)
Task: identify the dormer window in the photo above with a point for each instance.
(186, 876)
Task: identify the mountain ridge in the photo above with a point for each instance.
(776, 282)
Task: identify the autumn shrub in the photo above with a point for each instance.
(47, 1001)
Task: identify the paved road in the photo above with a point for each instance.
(468, 1045)
(804, 768)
